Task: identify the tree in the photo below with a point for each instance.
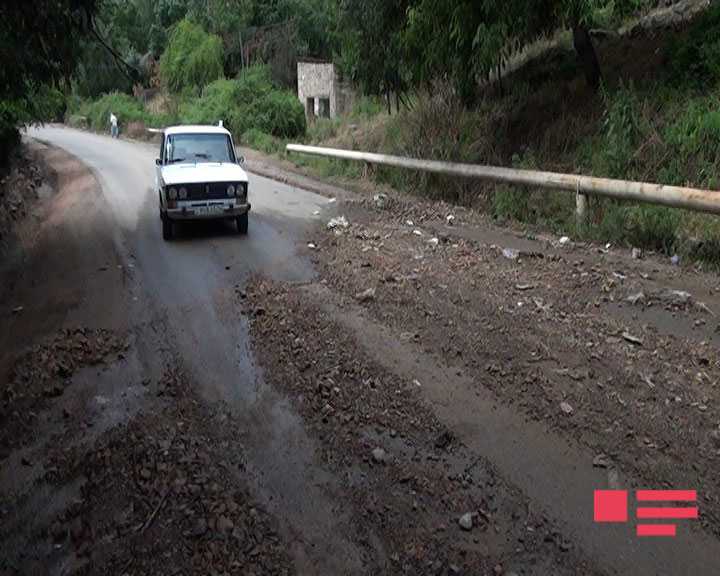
(193, 57)
(371, 53)
(40, 43)
(466, 39)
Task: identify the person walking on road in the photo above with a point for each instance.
(113, 126)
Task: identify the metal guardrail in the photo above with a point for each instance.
(707, 201)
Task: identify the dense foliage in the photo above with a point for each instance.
(250, 101)
(39, 46)
(193, 58)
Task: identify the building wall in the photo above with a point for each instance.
(318, 80)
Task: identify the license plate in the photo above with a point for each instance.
(208, 210)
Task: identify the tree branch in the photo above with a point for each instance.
(123, 66)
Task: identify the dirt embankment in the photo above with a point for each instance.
(24, 186)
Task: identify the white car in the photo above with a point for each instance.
(199, 177)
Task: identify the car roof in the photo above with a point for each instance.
(196, 130)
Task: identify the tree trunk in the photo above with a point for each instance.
(586, 54)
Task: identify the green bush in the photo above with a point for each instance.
(125, 107)
(693, 139)
(366, 107)
(193, 58)
(510, 203)
(281, 114)
(259, 140)
(77, 121)
(694, 57)
(249, 101)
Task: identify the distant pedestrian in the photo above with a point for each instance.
(113, 126)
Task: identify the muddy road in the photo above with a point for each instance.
(403, 397)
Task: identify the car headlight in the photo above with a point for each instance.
(242, 189)
(231, 190)
(182, 193)
(172, 193)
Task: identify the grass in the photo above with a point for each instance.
(660, 125)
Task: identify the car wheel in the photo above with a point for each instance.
(242, 223)
(167, 229)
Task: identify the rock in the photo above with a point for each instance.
(53, 391)
(340, 222)
(366, 296)
(636, 254)
(450, 220)
(199, 527)
(380, 200)
(564, 241)
(565, 407)
(417, 232)
(511, 253)
(379, 455)
(444, 439)
(632, 339)
(466, 521)
(675, 260)
(601, 461)
(635, 298)
(715, 439)
(63, 370)
(84, 549)
(433, 242)
(76, 529)
(311, 246)
(409, 223)
(224, 524)
(59, 532)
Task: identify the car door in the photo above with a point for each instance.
(159, 164)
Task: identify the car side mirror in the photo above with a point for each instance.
(241, 160)
(158, 162)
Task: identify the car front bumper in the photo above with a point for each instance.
(207, 211)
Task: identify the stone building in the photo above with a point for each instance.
(320, 89)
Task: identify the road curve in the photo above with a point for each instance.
(180, 304)
(179, 298)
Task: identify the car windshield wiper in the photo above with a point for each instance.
(176, 160)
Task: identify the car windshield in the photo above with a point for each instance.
(199, 148)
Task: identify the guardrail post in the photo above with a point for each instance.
(367, 171)
(581, 206)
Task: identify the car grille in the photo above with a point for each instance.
(213, 190)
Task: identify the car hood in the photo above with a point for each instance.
(192, 173)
